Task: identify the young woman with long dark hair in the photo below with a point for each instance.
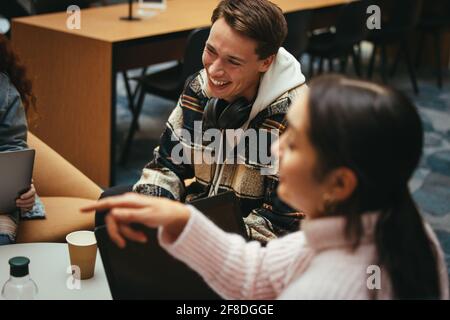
(345, 160)
(16, 100)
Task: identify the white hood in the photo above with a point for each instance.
(283, 75)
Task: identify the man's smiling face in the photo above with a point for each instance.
(232, 65)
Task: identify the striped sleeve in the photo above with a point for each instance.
(273, 218)
(164, 176)
(234, 268)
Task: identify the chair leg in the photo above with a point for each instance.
(133, 127)
(137, 92)
(144, 71)
(311, 66)
(343, 64)
(138, 86)
(395, 64)
(409, 64)
(437, 49)
(383, 63)
(321, 65)
(330, 65)
(356, 63)
(372, 62)
(128, 90)
(359, 53)
(132, 95)
(420, 49)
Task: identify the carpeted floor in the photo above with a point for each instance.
(430, 184)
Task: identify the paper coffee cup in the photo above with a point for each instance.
(83, 252)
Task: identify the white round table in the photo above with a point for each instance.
(50, 269)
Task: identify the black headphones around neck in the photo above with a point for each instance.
(220, 114)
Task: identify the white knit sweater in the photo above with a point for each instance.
(314, 263)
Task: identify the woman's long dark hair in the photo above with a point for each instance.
(377, 132)
(9, 64)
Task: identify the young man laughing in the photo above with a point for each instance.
(245, 69)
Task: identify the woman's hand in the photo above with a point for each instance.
(26, 200)
(152, 212)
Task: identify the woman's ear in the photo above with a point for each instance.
(342, 183)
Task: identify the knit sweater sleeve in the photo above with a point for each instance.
(234, 268)
(164, 176)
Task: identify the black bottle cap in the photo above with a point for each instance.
(19, 266)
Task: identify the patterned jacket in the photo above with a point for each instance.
(265, 215)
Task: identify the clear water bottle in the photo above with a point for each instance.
(19, 286)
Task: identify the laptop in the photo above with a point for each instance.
(16, 171)
(146, 271)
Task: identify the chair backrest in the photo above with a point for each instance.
(402, 15)
(12, 9)
(439, 9)
(49, 6)
(297, 38)
(351, 25)
(194, 50)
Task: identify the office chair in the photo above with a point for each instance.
(402, 17)
(169, 82)
(435, 20)
(340, 40)
(297, 38)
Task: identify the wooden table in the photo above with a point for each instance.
(74, 71)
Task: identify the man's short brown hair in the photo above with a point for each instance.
(260, 20)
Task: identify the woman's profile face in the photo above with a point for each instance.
(298, 186)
